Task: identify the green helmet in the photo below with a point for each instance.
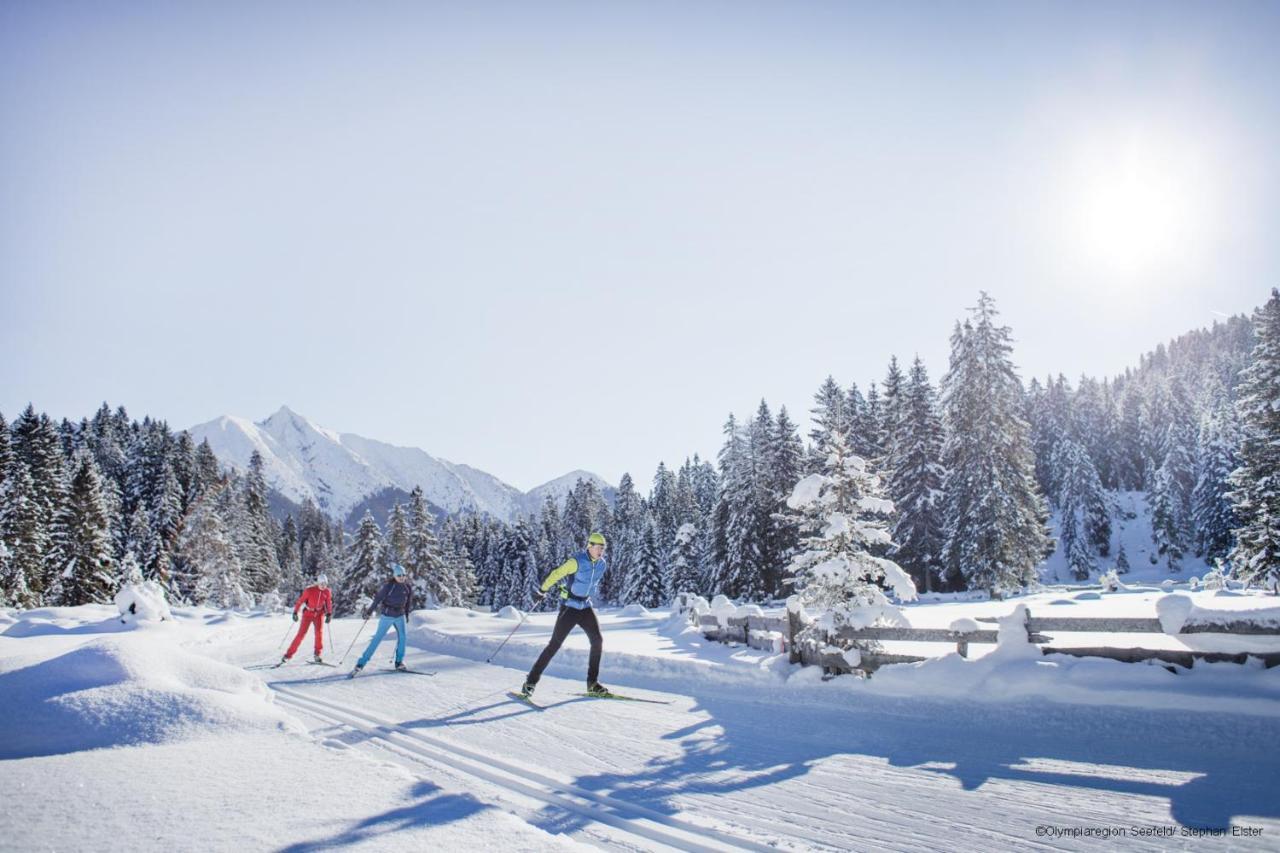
(596, 539)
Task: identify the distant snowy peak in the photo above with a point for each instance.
(340, 470)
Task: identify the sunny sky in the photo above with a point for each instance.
(541, 237)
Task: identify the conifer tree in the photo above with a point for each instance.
(1212, 515)
(828, 415)
(211, 572)
(397, 536)
(291, 580)
(684, 561)
(365, 569)
(624, 541)
(422, 557)
(648, 581)
(994, 513)
(1255, 495)
(1085, 522)
(915, 481)
(257, 535)
(83, 539)
(26, 539)
(843, 516)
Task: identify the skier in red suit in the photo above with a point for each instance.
(317, 602)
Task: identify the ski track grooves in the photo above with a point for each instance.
(673, 831)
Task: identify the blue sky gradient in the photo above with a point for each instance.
(539, 237)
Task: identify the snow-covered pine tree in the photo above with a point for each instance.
(842, 516)
(1084, 521)
(26, 538)
(257, 538)
(648, 581)
(662, 503)
(1255, 494)
(397, 535)
(519, 576)
(995, 515)
(915, 481)
(1175, 480)
(828, 414)
(1212, 516)
(83, 539)
(870, 429)
(211, 572)
(421, 555)
(891, 411)
(736, 524)
(165, 517)
(624, 540)
(291, 580)
(365, 569)
(786, 464)
(685, 573)
(37, 445)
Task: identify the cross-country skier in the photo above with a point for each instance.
(396, 600)
(316, 601)
(581, 573)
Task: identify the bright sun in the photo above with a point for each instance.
(1138, 209)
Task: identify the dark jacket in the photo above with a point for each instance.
(396, 599)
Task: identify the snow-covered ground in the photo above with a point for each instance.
(155, 736)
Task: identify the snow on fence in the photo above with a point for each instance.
(779, 633)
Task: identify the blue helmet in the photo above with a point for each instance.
(397, 570)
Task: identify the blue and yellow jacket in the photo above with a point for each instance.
(583, 584)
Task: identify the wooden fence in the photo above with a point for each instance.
(768, 632)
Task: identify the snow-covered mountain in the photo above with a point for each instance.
(340, 470)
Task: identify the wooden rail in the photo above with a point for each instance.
(762, 632)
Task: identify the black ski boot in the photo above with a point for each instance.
(595, 688)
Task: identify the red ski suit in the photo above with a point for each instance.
(317, 604)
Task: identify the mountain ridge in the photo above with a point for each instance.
(338, 471)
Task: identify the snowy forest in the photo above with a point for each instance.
(966, 474)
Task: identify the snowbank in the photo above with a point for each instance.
(144, 600)
(130, 689)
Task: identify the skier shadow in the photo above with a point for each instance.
(1209, 768)
(432, 809)
(477, 715)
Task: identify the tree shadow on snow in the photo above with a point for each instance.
(431, 809)
(1211, 769)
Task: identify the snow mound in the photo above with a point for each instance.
(143, 601)
(510, 612)
(965, 625)
(748, 610)
(634, 610)
(128, 690)
(1173, 610)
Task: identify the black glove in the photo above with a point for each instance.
(295, 616)
(327, 617)
(366, 613)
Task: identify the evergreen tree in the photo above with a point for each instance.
(624, 541)
(518, 577)
(891, 410)
(290, 557)
(211, 566)
(1255, 495)
(843, 516)
(1175, 479)
(738, 554)
(37, 445)
(1085, 522)
(915, 481)
(257, 536)
(397, 537)
(27, 540)
(828, 415)
(686, 573)
(422, 557)
(1213, 518)
(83, 539)
(366, 567)
(994, 513)
(648, 581)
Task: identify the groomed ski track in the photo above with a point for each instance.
(630, 818)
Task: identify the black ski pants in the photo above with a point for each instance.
(569, 618)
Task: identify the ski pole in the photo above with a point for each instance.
(525, 616)
(353, 639)
(288, 631)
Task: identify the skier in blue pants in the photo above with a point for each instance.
(396, 600)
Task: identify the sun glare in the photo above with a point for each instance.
(1139, 210)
